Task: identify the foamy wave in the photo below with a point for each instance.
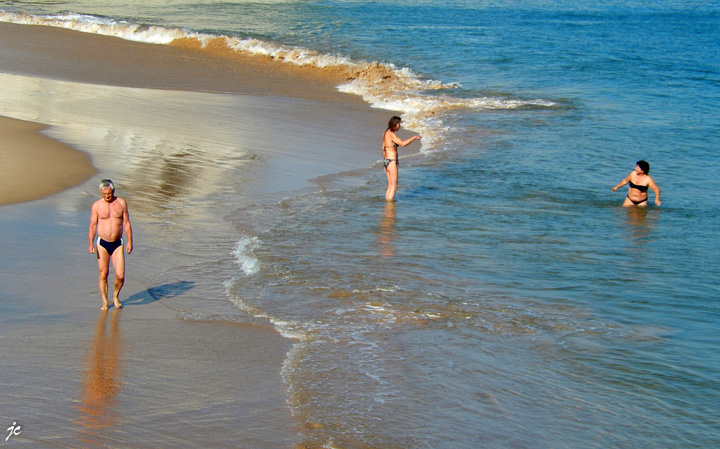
(294, 55)
(245, 256)
(99, 25)
(382, 85)
(420, 110)
(288, 329)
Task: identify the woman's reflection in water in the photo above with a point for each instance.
(639, 227)
(387, 230)
(101, 382)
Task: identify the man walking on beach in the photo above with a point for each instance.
(108, 217)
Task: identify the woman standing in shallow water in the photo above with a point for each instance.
(639, 180)
(390, 155)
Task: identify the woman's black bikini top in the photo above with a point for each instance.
(637, 187)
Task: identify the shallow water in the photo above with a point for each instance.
(505, 300)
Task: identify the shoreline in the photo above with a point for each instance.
(165, 349)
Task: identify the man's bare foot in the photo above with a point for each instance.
(118, 304)
(104, 307)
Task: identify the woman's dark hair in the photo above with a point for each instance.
(394, 122)
(644, 166)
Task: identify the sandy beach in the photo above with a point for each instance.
(94, 59)
(33, 166)
(155, 374)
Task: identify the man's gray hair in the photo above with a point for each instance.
(106, 183)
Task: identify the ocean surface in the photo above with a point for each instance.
(506, 299)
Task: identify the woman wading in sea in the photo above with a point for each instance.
(639, 181)
(391, 142)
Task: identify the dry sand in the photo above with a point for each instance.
(33, 166)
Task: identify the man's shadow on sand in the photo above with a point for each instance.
(160, 292)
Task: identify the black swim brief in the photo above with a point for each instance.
(637, 203)
(110, 247)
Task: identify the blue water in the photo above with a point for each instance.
(506, 299)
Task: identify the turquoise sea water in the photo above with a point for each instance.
(506, 300)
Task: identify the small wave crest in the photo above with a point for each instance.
(98, 25)
(245, 255)
(382, 85)
(291, 329)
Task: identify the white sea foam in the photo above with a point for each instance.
(99, 25)
(287, 328)
(245, 255)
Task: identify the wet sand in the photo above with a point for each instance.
(146, 375)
